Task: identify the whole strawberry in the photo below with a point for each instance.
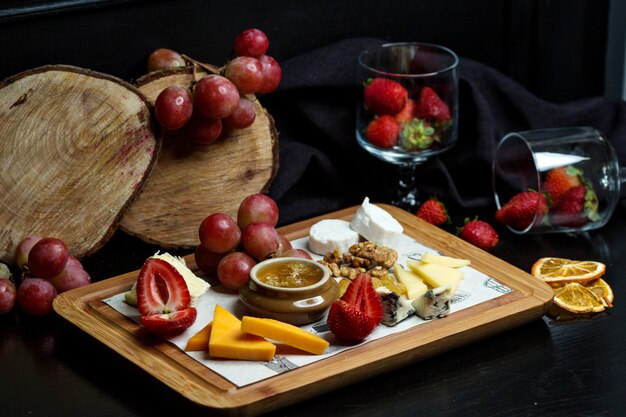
(520, 211)
(480, 234)
(433, 211)
(559, 180)
(431, 107)
(575, 208)
(384, 96)
(353, 317)
(383, 131)
(407, 114)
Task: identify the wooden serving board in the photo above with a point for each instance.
(527, 301)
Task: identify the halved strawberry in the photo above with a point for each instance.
(161, 289)
(169, 324)
(357, 313)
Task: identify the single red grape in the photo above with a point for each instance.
(246, 73)
(173, 107)
(72, 276)
(296, 253)
(257, 208)
(219, 233)
(284, 245)
(8, 294)
(272, 74)
(164, 58)
(203, 130)
(47, 257)
(23, 249)
(215, 96)
(243, 115)
(251, 42)
(35, 296)
(206, 260)
(259, 240)
(233, 271)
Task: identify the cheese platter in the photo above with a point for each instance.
(525, 299)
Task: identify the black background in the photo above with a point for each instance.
(556, 49)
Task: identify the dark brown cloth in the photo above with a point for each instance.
(322, 168)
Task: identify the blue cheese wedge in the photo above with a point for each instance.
(327, 235)
(433, 304)
(376, 225)
(197, 286)
(395, 307)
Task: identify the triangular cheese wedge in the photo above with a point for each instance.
(200, 340)
(228, 341)
(437, 275)
(414, 285)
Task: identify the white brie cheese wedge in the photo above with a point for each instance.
(376, 225)
(327, 235)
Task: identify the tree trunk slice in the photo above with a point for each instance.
(76, 148)
(190, 181)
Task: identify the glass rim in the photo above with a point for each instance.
(433, 46)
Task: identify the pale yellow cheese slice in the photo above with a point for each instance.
(414, 285)
(437, 275)
(228, 341)
(449, 261)
(284, 333)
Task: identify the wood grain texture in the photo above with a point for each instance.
(76, 148)
(189, 181)
(528, 301)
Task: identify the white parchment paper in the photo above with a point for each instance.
(474, 289)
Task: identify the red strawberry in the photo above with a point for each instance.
(479, 233)
(575, 207)
(383, 131)
(170, 324)
(384, 96)
(519, 212)
(161, 289)
(430, 106)
(407, 114)
(357, 313)
(559, 180)
(433, 211)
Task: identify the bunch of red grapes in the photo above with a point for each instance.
(230, 249)
(48, 270)
(217, 101)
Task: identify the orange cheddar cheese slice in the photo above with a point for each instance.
(200, 340)
(284, 333)
(228, 341)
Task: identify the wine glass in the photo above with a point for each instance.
(536, 161)
(427, 121)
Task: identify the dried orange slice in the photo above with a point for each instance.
(559, 271)
(578, 299)
(602, 290)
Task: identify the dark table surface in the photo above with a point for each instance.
(48, 367)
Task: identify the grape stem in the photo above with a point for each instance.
(210, 68)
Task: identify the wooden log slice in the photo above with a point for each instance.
(191, 181)
(76, 147)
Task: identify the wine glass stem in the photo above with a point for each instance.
(407, 197)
